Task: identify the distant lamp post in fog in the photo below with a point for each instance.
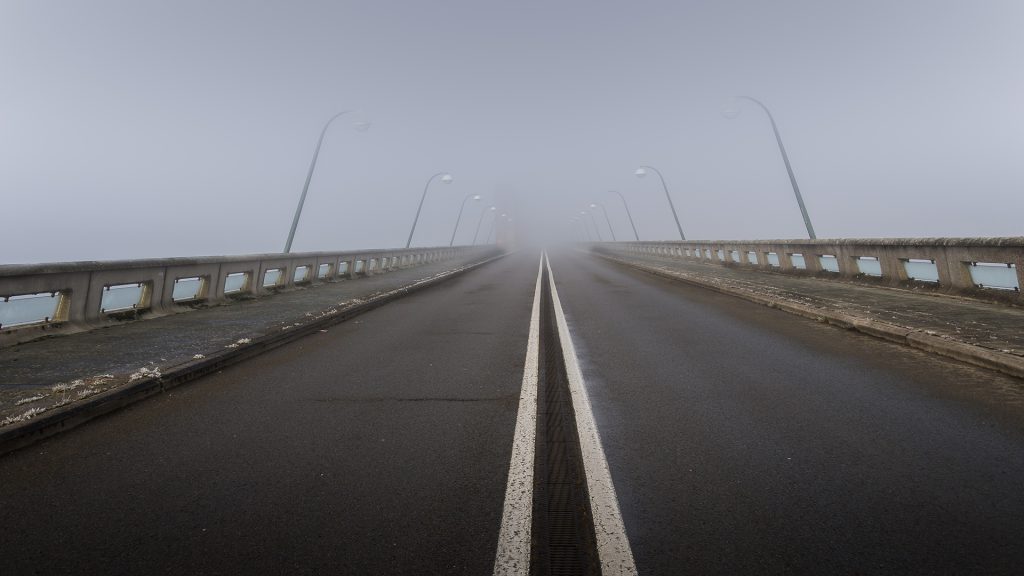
(637, 236)
(585, 225)
(594, 222)
(586, 230)
(641, 172)
(361, 126)
(481, 221)
(733, 112)
(459, 219)
(606, 219)
(494, 226)
(446, 178)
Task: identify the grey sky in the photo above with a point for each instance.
(134, 129)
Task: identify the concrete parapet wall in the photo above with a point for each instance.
(80, 286)
(955, 260)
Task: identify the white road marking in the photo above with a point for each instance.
(513, 557)
(612, 545)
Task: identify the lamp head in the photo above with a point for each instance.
(731, 109)
(640, 172)
(493, 208)
(593, 205)
(361, 125)
(476, 197)
(446, 179)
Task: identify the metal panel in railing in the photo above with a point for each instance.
(72, 296)
(990, 266)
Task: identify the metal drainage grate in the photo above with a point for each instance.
(563, 527)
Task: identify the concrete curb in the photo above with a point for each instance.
(1008, 364)
(62, 419)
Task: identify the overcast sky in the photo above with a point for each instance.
(141, 129)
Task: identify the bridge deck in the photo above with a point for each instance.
(994, 328)
(32, 369)
(739, 440)
(745, 440)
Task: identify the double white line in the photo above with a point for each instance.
(513, 556)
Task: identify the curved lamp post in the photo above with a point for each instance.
(637, 236)
(785, 159)
(589, 236)
(607, 221)
(586, 225)
(493, 227)
(362, 127)
(446, 178)
(594, 222)
(641, 172)
(459, 219)
(481, 221)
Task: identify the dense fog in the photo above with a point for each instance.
(142, 129)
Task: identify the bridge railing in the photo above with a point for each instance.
(991, 267)
(38, 299)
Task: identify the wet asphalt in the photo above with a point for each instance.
(379, 447)
(741, 440)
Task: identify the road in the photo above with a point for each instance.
(379, 447)
(740, 440)
(743, 440)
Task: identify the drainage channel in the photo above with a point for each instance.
(563, 540)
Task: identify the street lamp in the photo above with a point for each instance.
(583, 223)
(586, 225)
(493, 227)
(641, 172)
(361, 126)
(637, 236)
(459, 219)
(609, 222)
(481, 221)
(594, 222)
(785, 159)
(446, 178)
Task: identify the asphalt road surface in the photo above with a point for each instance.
(743, 440)
(740, 440)
(379, 447)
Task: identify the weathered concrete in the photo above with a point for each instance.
(986, 334)
(53, 384)
(80, 285)
(952, 258)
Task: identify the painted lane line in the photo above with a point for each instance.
(612, 544)
(513, 556)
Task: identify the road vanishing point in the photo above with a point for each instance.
(549, 412)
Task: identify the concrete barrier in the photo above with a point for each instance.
(991, 268)
(79, 291)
